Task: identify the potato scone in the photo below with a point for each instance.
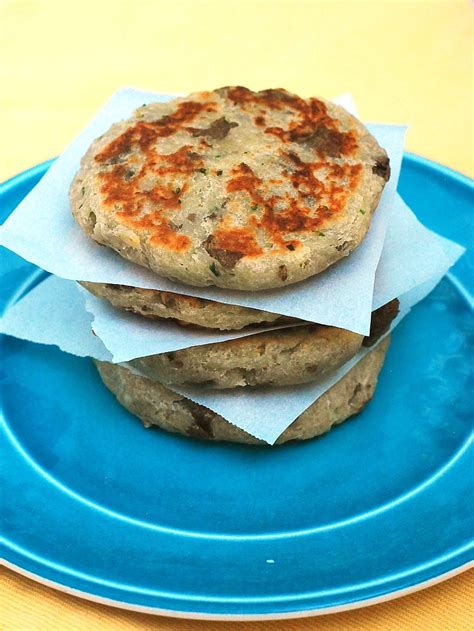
(193, 311)
(158, 406)
(281, 357)
(234, 188)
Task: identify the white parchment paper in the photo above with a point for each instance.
(54, 313)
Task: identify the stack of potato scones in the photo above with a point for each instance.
(246, 191)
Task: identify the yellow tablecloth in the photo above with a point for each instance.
(404, 61)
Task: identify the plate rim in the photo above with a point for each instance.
(414, 160)
(173, 613)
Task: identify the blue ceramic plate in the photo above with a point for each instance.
(97, 505)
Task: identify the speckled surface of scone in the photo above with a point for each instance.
(233, 188)
(158, 406)
(186, 310)
(277, 358)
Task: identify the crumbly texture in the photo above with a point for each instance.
(233, 188)
(186, 310)
(158, 406)
(275, 358)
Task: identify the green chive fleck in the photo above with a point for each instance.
(214, 269)
(177, 190)
(255, 207)
(218, 156)
(321, 234)
(362, 211)
(83, 190)
(202, 170)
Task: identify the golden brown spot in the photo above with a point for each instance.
(165, 236)
(229, 244)
(241, 240)
(191, 301)
(203, 144)
(147, 200)
(303, 175)
(279, 132)
(328, 141)
(244, 179)
(275, 99)
(145, 134)
(306, 115)
(309, 121)
(322, 139)
(295, 216)
(131, 195)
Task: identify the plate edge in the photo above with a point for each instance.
(170, 613)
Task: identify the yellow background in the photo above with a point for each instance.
(404, 61)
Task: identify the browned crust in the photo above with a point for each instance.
(301, 198)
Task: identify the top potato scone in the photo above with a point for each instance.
(234, 188)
